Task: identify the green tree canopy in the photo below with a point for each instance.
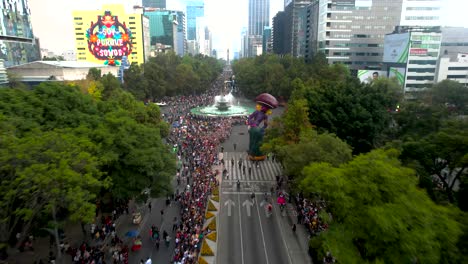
(54, 135)
(379, 215)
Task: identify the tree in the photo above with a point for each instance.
(111, 85)
(43, 173)
(94, 74)
(451, 95)
(295, 142)
(379, 215)
(359, 114)
(443, 154)
(136, 83)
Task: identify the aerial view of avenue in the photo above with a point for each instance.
(233, 132)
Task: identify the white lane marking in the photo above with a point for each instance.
(282, 234)
(240, 226)
(263, 236)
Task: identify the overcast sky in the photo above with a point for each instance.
(53, 22)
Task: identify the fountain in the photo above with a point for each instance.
(224, 105)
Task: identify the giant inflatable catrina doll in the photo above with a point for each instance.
(265, 102)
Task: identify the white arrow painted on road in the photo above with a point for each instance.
(229, 203)
(248, 204)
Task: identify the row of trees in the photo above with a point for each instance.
(169, 75)
(378, 197)
(65, 146)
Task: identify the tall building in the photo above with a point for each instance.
(421, 13)
(205, 40)
(454, 42)
(155, 3)
(17, 42)
(259, 16)
(267, 43)
(281, 45)
(351, 32)
(167, 28)
(195, 9)
(106, 36)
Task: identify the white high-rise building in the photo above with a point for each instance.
(421, 13)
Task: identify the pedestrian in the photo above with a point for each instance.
(250, 171)
(222, 149)
(232, 162)
(174, 225)
(149, 206)
(235, 146)
(162, 214)
(294, 228)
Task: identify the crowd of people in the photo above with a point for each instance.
(197, 140)
(308, 214)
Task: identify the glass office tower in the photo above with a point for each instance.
(17, 43)
(194, 9)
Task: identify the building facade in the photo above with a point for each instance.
(17, 42)
(195, 9)
(267, 41)
(453, 70)
(420, 13)
(281, 45)
(155, 3)
(351, 32)
(259, 16)
(106, 35)
(454, 42)
(162, 25)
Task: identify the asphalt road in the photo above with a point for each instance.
(247, 234)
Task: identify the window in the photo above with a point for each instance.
(131, 23)
(423, 62)
(416, 85)
(77, 18)
(457, 76)
(82, 58)
(79, 38)
(134, 53)
(77, 28)
(421, 70)
(421, 17)
(79, 34)
(457, 68)
(423, 8)
(79, 23)
(132, 17)
(421, 78)
(81, 49)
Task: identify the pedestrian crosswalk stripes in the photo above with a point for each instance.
(237, 164)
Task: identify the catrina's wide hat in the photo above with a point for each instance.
(267, 100)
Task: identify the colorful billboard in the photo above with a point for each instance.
(366, 76)
(396, 48)
(398, 73)
(108, 39)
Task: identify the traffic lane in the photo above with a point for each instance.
(275, 235)
(229, 232)
(239, 136)
(148, 249)
(254, 242)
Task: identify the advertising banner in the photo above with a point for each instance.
(109, 39)
(396, 48)
(366, 76)
(421, 52)
(398, 73)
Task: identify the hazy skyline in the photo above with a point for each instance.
(53, 24)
